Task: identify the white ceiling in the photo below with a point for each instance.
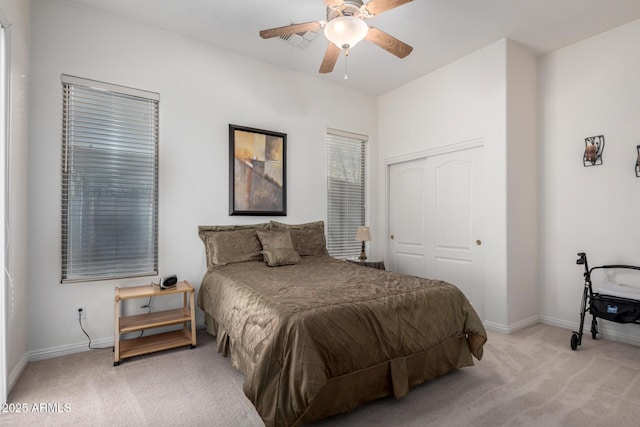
(440, 31)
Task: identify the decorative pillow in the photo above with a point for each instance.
(271, 239)
(308, 239)
(231, 243)
(280, 256)
(277, 248)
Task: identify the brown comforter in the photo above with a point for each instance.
(293, 330)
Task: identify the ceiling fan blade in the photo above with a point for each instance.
(290, 29)
(376, 7)
(334, 4)
(330, 58)
(388, 43)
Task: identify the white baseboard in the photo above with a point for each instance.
(16, 372)
(496, 327)
(65, 350)
(514, 327)
(615, 336)
(559, 323)
(605, 328)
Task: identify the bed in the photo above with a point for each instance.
(316, 336)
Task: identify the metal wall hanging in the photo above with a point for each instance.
(638, 162)
(594, 145)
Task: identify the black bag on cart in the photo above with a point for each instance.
(616, 309)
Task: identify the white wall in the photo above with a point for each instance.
(17, 16)
(522, 186)
(463, 101)
(202, 90)
(488, 96)
(590, 88)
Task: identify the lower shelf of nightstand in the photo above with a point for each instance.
(153, 343)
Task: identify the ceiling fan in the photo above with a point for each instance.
(345, 27)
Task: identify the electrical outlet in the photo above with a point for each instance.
(82, 311)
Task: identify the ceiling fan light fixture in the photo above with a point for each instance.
(346, 31)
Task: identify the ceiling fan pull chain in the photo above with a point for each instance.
(346, 56)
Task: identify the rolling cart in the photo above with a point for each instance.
(600, 304)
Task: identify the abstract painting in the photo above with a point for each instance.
(257, 171)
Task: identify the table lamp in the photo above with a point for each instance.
(363, 235)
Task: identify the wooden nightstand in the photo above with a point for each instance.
(139, 322)
(369, 262)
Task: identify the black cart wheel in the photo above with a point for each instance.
(594, 329)
(574, 341)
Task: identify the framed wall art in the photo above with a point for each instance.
(257, 171)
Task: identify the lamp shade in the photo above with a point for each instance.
(363, 234)
(345, 31)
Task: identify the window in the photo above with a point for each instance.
(109, 181)
(345, 192)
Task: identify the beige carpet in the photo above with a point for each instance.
(530, 378)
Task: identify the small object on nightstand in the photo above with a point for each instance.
(168, 282)
(373, 263)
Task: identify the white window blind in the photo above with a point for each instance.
(346, 191)
(109, 181)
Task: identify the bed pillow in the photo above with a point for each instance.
(225, 244)
(277, 248)
(308, 239)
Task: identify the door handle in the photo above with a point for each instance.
(479, 242)
(392, 237)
